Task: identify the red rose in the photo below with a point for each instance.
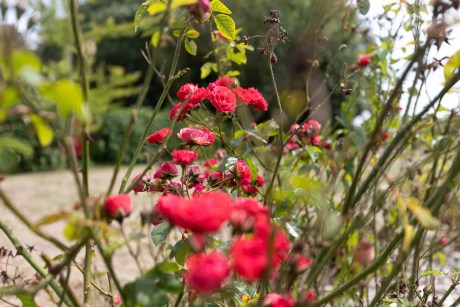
(252, 97)
(205, 6)
(222, 99)
(224, 81)
(385, 135)
(184, 156)
(206, 273)
(310, 297)
(364, 60)
(249, 258)
(205, 213)
(166, 171)
(210, 163)
(277, 300)
(118, 206)
(260, 181)
(242, 173)
(140, 187)
(159, 136)
(311, 127)
(245, 211)
(315, 141)
(299, 263)
(186, 90)
(201, 137)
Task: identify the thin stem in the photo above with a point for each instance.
(87, 291)
(21, 250)
(170, 81)
(348, 203)
(11, 206)
(179, 298)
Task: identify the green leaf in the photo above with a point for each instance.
(293, 230)
(140, 14)
(431, 272)
(225, 25)
(9, 97)
(190, 46)
(177, 3)
(180, 251)
(68, 97)
(16, 145)
(219, 7)
(168, 266)
(207, 68)
(44, 132)
(156, 7)
(192, 33)
(51, 218)
(228, 163)
(145, 292)
(363, 6)
(159, 232)
(155, 38)
(451, 66)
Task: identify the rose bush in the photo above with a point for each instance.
(275, 213)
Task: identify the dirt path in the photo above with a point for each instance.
(41, 194)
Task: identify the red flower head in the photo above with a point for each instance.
(222, 99)
(193, 176)
(365, 60)
(242, 173)
(215, 178)
(277, 300)
(249, 258)
(245, 211)
(201, 137)
(205, 213)
(310, 297)
(260, 181)
(186, 90)
(184, 156)
(210, 163)
(116, 299)
(224, 81)
(311, 127)
(252, 97)
(118, 206)
(206, 273)
(299, 263)
(315, 141)
(166, 171)
(385, 135)
(140, 187)
(159, 136)
(443, 241)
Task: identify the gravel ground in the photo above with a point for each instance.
(45, 193)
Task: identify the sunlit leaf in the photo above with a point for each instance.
(16, 145)
(68, 97)
(430, 272)
(8, 97)
(192, 33)
(423, 215)
(155, 38)
(219, 7)
(190, 46)
(225, 25)
(408, 235)
(452, 65)
(44, 132)
(156, 7)
(177, 3)
(140, 14)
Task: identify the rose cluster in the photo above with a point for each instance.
(306, 134)
(222, 94)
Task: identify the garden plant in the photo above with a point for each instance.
(253, 202)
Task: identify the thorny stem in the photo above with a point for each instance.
(74, 14)
(171, 79)
(348, 203)
(21, 250)
(267, 198)
(11, 206)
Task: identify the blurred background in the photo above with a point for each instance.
(327, 35)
